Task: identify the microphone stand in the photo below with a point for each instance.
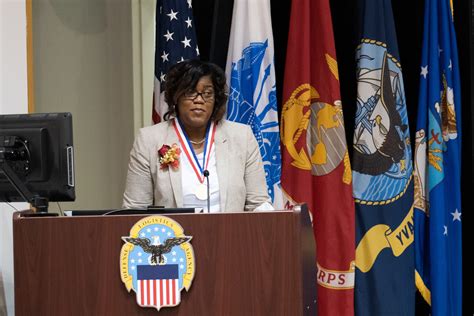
(206, 174)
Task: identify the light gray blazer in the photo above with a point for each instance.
(240, 172)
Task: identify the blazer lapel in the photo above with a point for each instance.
(175, 175)
(222, 155)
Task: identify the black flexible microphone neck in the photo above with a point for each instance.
(206, 174)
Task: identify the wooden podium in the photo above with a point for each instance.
(253, 263)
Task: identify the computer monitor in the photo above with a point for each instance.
(36, 158)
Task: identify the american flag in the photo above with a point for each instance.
(158, 286)
(175, 42)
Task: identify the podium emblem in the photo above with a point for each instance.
(157, 262)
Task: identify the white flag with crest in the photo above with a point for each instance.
(251, 77)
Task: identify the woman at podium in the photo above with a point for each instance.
(196, 158)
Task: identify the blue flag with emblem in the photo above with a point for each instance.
(251, 77)
(438, 246)
(382, 171)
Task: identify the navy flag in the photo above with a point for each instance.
(175, 42)
(438, 247)
(382, 171)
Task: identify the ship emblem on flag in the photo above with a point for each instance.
(157, 262)
(382, 170)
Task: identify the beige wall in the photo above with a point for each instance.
(13, 99)
(93, 58)
(13, 58)
(83, 63)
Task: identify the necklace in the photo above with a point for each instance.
(198, 142)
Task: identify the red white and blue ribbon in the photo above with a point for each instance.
(189, 151)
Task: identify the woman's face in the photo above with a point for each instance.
(196, 105)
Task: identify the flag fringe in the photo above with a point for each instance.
(422, 288)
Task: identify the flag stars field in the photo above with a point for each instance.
(174, 22)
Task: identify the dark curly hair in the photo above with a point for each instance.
(185, 75)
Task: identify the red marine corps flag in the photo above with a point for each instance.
(315, 161)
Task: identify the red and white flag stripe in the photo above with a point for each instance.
(158, 293)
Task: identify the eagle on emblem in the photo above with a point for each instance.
(157, 251)
(387, 136)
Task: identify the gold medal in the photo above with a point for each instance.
(201, 192)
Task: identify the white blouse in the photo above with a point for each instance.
(190, 182)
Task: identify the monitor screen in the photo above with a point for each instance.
(38, 149)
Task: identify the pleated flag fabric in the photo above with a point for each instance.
(438, 234)
(175, 41)
(315, 162)
(251, 78)
(382, 171)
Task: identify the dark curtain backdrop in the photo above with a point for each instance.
(213, 20)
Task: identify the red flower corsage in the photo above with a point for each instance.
(169, 156)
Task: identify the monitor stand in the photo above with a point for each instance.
(38, 202)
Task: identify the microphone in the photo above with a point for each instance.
(206, 174)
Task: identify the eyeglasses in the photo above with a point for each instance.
(207, 95)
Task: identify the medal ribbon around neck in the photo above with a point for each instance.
(189, 150)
